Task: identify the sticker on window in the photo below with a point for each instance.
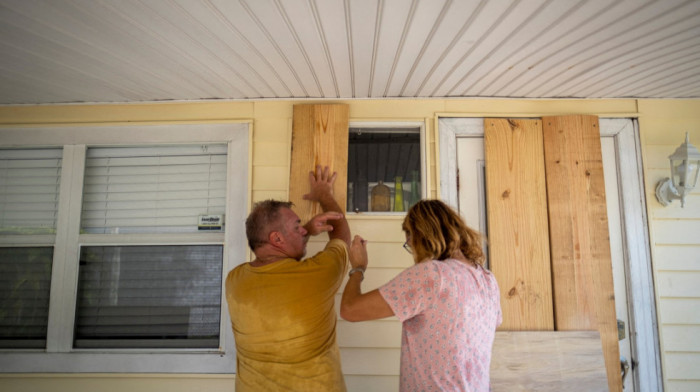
(210, 222)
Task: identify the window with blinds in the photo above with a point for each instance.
(161, 189)
(30, 180)
(149, 297)
(165, 296)
(114, 246)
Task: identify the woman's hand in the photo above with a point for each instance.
(358, 253)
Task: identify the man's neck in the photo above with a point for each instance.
(267, 255)
(265, 260)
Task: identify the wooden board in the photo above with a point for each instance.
(517, 231)
(544, 361)
(580, 246)
(319, 137)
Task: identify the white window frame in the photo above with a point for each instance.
(640, 284)
(59, 355)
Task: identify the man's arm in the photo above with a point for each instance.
(322, 192)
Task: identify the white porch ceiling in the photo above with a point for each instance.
(59, 51)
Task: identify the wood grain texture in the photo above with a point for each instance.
(319, 137)
(547, 361)
(517, 231)
(581, 263)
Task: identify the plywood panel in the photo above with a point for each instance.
(581, 263)
(517, 232)
(319, 137)
(547, 361)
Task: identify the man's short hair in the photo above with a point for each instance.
(262, 220)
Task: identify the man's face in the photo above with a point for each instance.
(294, 233)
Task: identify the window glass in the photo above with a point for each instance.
(25, 284)
(149, 297)
(162, 189)
(30, 180)
(384, 169)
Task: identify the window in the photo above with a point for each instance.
(385, 166)
(128, 236)
(30, 180)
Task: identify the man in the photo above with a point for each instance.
(282, 306)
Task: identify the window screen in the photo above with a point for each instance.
(30, 180)
(25, 284)
(384, 169)
(153, 189)
(149, 296)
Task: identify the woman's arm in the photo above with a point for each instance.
(354, 305)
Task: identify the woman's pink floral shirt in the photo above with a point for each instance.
(450, 311)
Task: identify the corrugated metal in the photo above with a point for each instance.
(145, 50)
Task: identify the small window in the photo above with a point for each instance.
(384, 169)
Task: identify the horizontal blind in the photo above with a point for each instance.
(154, 189)
(25, 284)
(149, 296)
(30, 180)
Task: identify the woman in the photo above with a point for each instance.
(448, 303)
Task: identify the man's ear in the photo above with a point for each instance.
(275, 238)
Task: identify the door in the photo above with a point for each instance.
(471, 194)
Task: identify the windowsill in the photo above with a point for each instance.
(126, 361)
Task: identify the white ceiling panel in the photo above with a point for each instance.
(60, 51)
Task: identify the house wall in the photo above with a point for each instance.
(675, 241)
(370, 351)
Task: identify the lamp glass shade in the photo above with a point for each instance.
(685, 163)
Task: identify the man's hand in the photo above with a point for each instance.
(321, 191)
(321, 184)
(319, 223)
(358, 253)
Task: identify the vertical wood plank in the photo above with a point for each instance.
(581, 263)
(517, 230)
(319, 137)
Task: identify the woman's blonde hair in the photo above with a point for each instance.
(438, 232)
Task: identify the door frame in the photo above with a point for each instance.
(637, 259)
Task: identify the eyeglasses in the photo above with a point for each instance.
(407, 247)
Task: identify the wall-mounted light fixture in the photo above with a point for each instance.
(685, 163)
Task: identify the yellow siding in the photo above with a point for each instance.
(675, 241)
(370, 351)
